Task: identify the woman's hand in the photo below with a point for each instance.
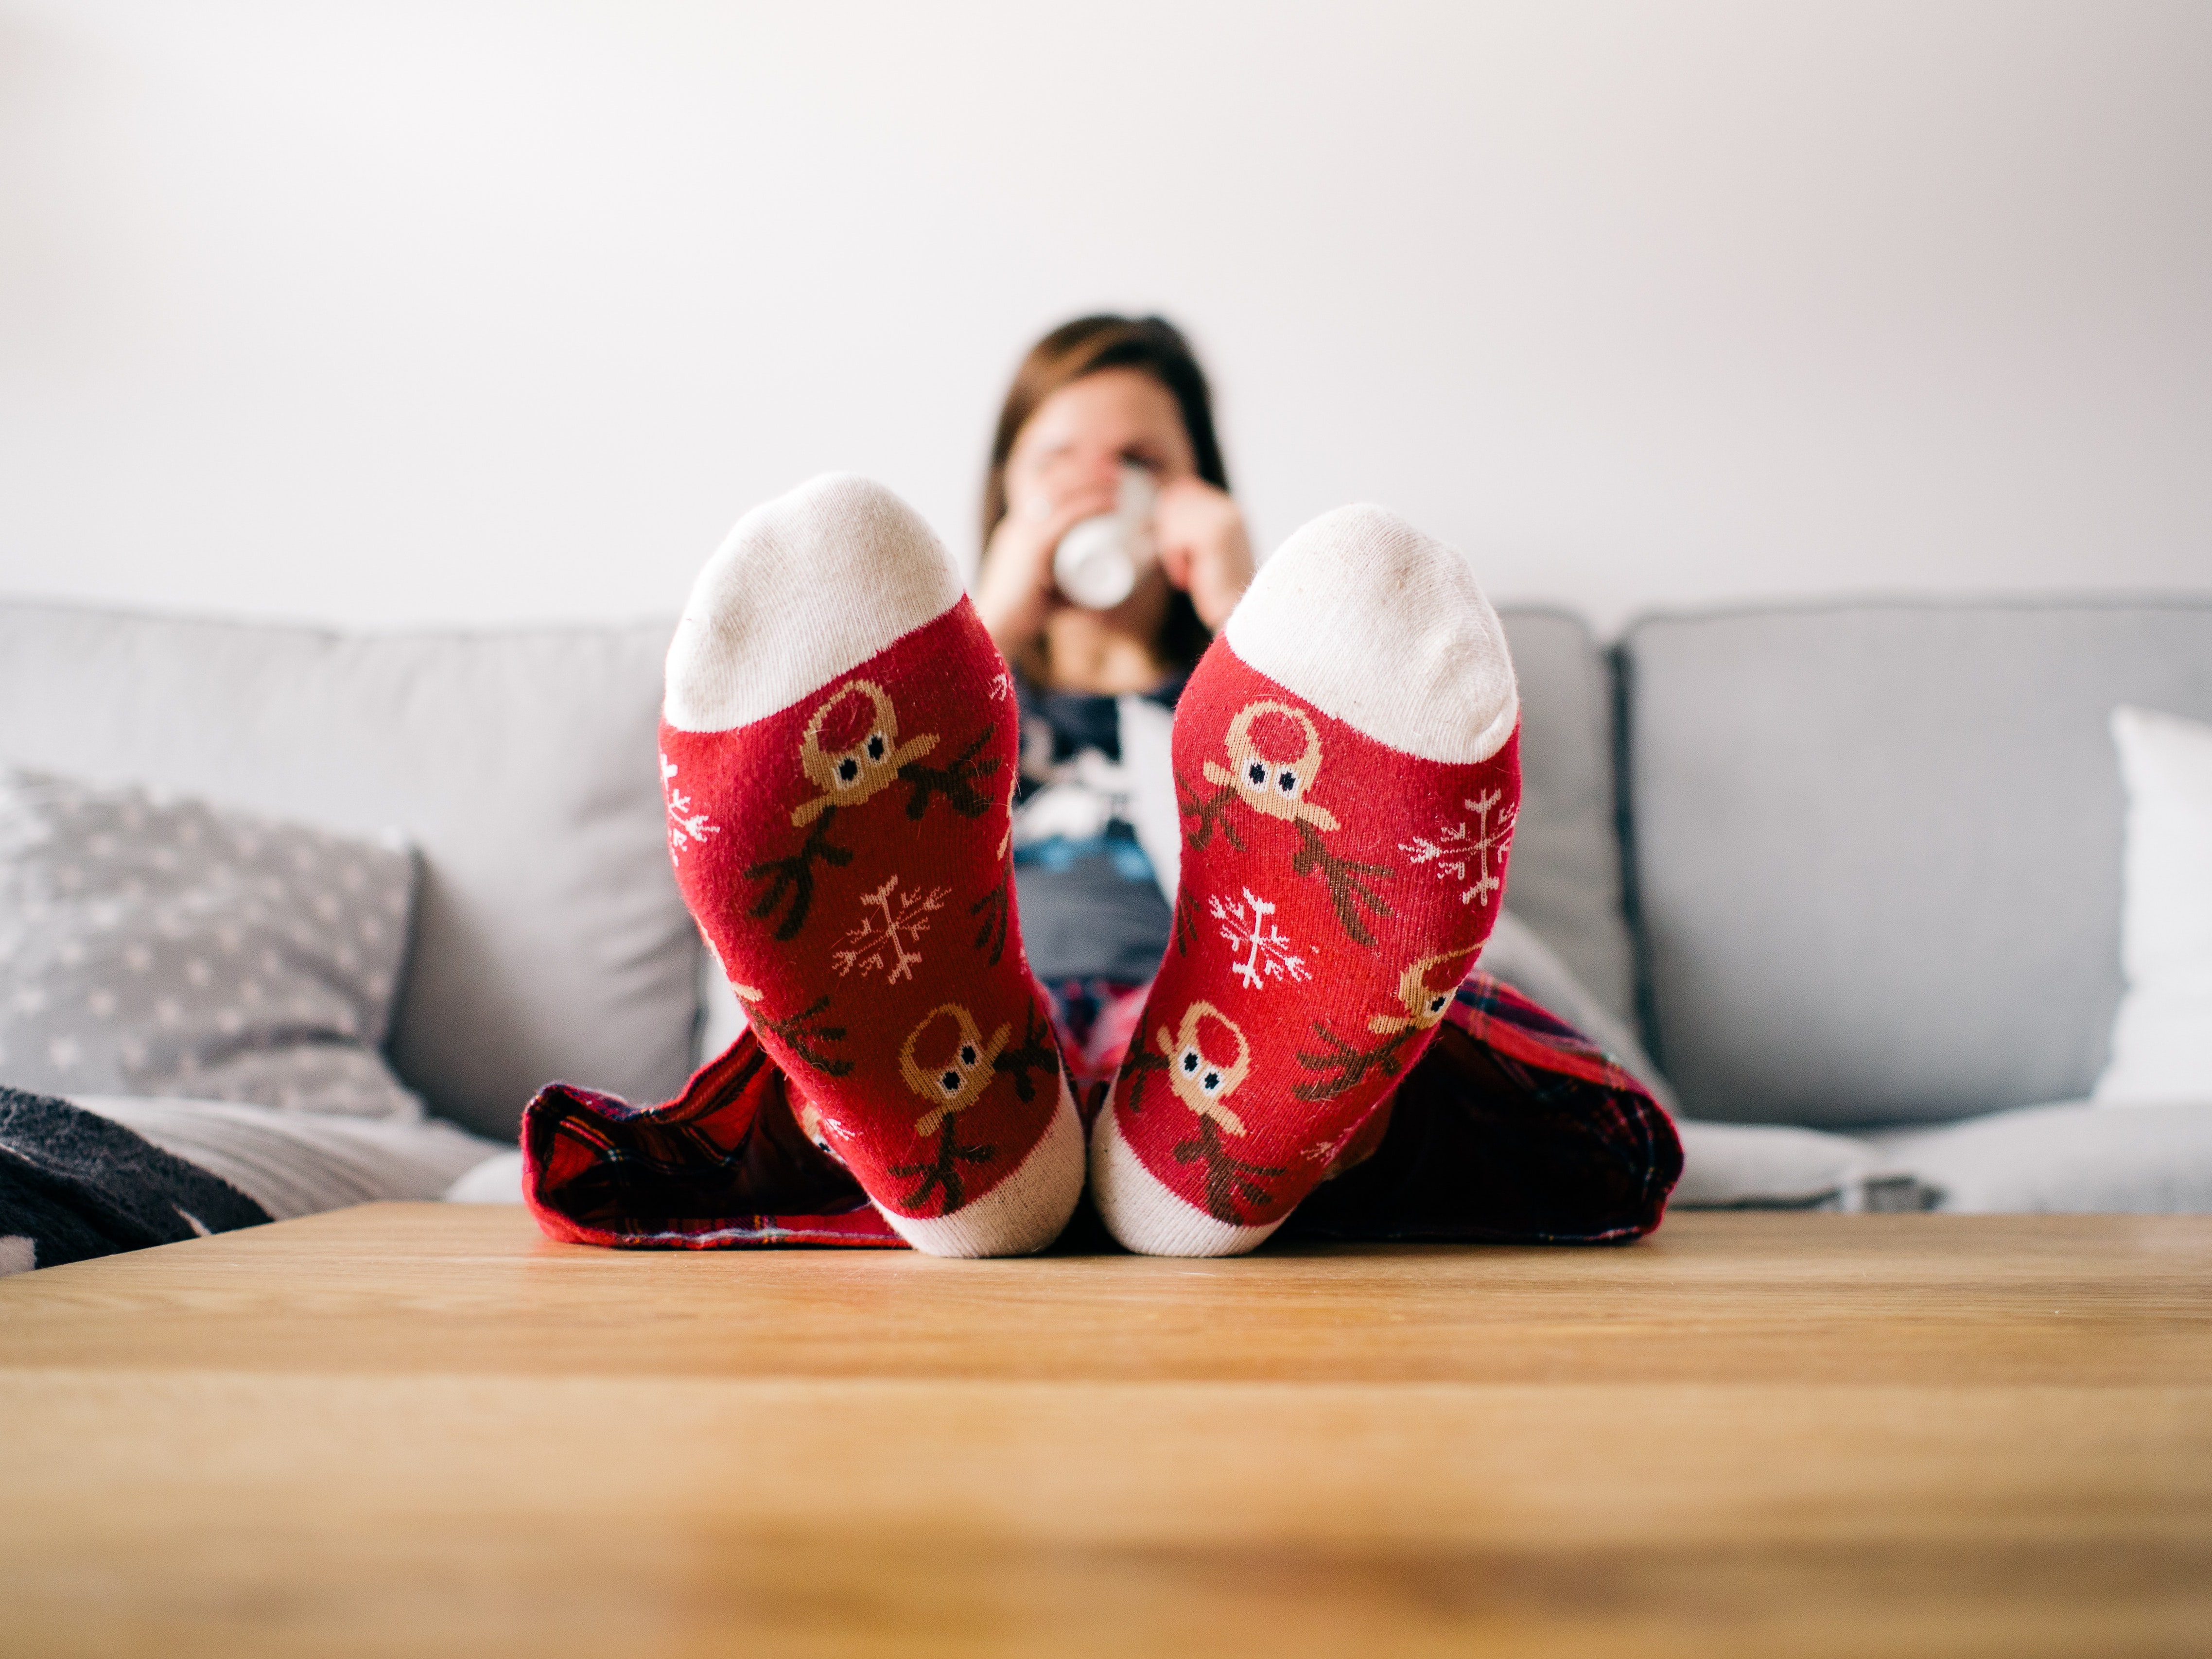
(1014, 592)
(1203, 547)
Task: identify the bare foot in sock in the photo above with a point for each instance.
(838, 748)
(1347, 762)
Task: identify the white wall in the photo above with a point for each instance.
(388, 312)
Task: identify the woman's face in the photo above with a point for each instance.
(1079, 437)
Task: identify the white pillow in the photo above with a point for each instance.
(2163, 1035)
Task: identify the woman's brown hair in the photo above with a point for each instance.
(1153, 346)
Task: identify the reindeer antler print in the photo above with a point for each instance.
(1229, 1178)
(807, 1038)
(1139, 1068)
(1212, 813)
(795, 876)
(1348, 890)
(857, 772)
(1035, 1052)
(1185, 919)
(1275, 786)
(956, 1083)
(996, 909)
(957, 782)
(1201, 1081)
(941, 1174)
(1347, 1065)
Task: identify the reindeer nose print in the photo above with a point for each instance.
(1274, 784)
(1424, 1003)
(958, 1082)
(1201, 1080)
(851, 773)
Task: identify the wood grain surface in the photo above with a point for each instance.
(423, 1429)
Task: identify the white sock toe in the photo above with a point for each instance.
(1023, 1213)
(761, 628)
(1144, 1215)
(1386, 629)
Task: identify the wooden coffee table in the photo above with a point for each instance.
(418, 1429)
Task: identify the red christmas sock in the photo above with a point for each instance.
(1347, 761)
(838, 749)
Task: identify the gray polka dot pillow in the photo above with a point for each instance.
(153, 946)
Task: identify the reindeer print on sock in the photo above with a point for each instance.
(851, 773)
(1421, 1009)
(956, 1083)
(1279, 784)
(949, 1086)
(1276, 787)
(857, 772)
(1203, 1081)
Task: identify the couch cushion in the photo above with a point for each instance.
(158, 946)
(2162, 1035)
(2142, 1160)
(1877, 848)
(550, 941)
(1565, 879)
(1766, 1166)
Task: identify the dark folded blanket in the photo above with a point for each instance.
(1513, 1127)
(74, 1185)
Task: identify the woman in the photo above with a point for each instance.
(1314, 1052)
(1091, 396)
(1094, 397)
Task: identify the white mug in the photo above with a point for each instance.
(1099, 560)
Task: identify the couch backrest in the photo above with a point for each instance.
(1876, 848)
(1564, 877)
(549, 940)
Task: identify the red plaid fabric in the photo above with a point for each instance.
(1512, 1128)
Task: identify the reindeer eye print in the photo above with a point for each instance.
(1257, 771)
(875, 745)
(1211, 1082)
(848, 769)
(966, 1053)
(1287, 782)
(1437, 1004)
(950, 1083)
(1190, 1062)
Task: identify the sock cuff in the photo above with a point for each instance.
(1410, 652)
(804, 588)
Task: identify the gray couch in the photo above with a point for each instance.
(1849, 869)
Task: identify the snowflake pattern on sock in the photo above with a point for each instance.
(879, 943)
(1455, 848)
(1266, 949)
(686, 824)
